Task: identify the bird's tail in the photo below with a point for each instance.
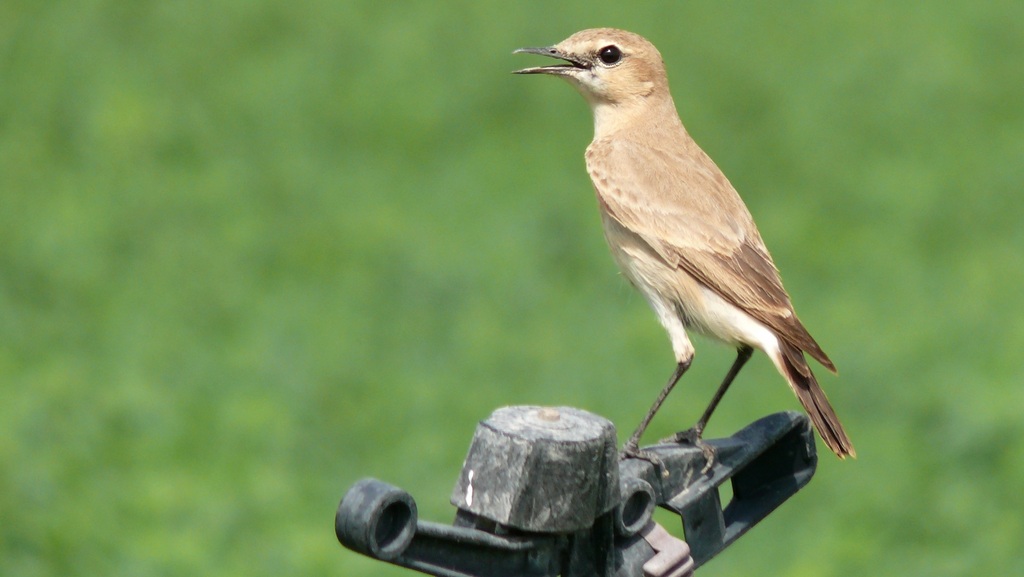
(813, 398)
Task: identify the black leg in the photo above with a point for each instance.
(631, 449)
(742, 356)
(693, 435)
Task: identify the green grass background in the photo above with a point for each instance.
(253, 251)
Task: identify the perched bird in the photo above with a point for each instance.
(678, 229)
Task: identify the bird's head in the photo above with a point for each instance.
(607, 66)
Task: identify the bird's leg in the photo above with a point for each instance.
(631, 448)
(693, 434)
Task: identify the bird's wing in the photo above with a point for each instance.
(682, 205)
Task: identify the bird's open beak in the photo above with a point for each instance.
(573, 63)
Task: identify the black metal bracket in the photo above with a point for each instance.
(543, 493)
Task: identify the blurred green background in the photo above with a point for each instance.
(253, 251)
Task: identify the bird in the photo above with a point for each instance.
(679, 231)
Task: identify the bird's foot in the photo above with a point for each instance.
(692, 436)
(631, 451)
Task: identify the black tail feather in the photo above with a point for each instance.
(813, 398)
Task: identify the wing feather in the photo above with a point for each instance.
(680, 203)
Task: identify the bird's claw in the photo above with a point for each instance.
(692, 436)
(631, 451)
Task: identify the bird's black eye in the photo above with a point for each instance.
(610, 54)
